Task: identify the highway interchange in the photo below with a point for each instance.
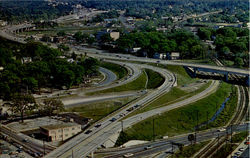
(83, 144)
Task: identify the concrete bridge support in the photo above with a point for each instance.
(247, 80)
(195, 69)
(226, 76)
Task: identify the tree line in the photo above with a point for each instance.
(44, 68)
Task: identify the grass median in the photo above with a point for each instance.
(154, 79)
(119, 70)
(180, 120)
(99, 110)
(137, 84)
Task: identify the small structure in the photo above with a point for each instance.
(175, 55)
(115, 35)
(60, 132)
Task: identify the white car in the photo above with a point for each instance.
(128, 155)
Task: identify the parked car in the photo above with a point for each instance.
(128, 155)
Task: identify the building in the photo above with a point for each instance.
(175, 55)
(115, 35)
(60, 132)
(3, 23)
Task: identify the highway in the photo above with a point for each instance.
(76, 101)
(29, 144)
(84, 144)
(109, 77)
(165, 144)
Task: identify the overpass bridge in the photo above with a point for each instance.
(222, 71)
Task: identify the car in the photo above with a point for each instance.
(127, 57)
(157, 61)
(237, 153)
(241, 149)
(98, 125)
(25, 140)
(128, 155)
(247, 143)
(136, 106)
(148, 147)
(113, 119)
(234, 157)
(221, 130)
(88, 131)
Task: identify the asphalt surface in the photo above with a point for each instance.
(84, 144)
(165, 145)
(109, 77)
(79, 101)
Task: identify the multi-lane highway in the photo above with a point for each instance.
(165, 144)
(84, 144)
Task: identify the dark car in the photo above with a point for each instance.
(88, 131)
(113, 119)
(98, 125)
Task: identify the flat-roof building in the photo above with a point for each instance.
(60, 132)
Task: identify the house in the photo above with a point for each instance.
(134, 50)
(26, 60)
(175, 55)
(114, 35)
(60, 132)
(3, 23)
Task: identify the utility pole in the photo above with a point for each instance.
(207, 119)
(72, 154)
(122, 125)
(43, 148)
(153, 129)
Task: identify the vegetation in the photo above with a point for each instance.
(231, 43)
(174, 95)
(239, 137)
(190, 150)
(19, 11)
(120, 71)
(180, 120)
(108, 15)
(137, 84)
(50, 106)
(23, 103)
(154, 79)
(228, 148)
(153, 42)
(30, 67)
(98, 110)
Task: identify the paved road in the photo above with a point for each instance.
(109, 77)
(165, 144)
(169, 62)
(31, 145)
(83, 144)
(78, 101)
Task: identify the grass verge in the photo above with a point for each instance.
(154, 79)
(119, 70)
(180, 120)
(190, 150)
(137, 84)
(98, 110)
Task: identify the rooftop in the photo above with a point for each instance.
(59, 126)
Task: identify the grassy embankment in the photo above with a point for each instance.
(99, 110)
(154, 79)
(184, 119)
(190, 150)
(137, 84)
(119, 70)
(226, 149)
(175, 94)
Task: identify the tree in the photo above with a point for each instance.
(23, 103)
(51, 105)
(238, 62)
(61, 33)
